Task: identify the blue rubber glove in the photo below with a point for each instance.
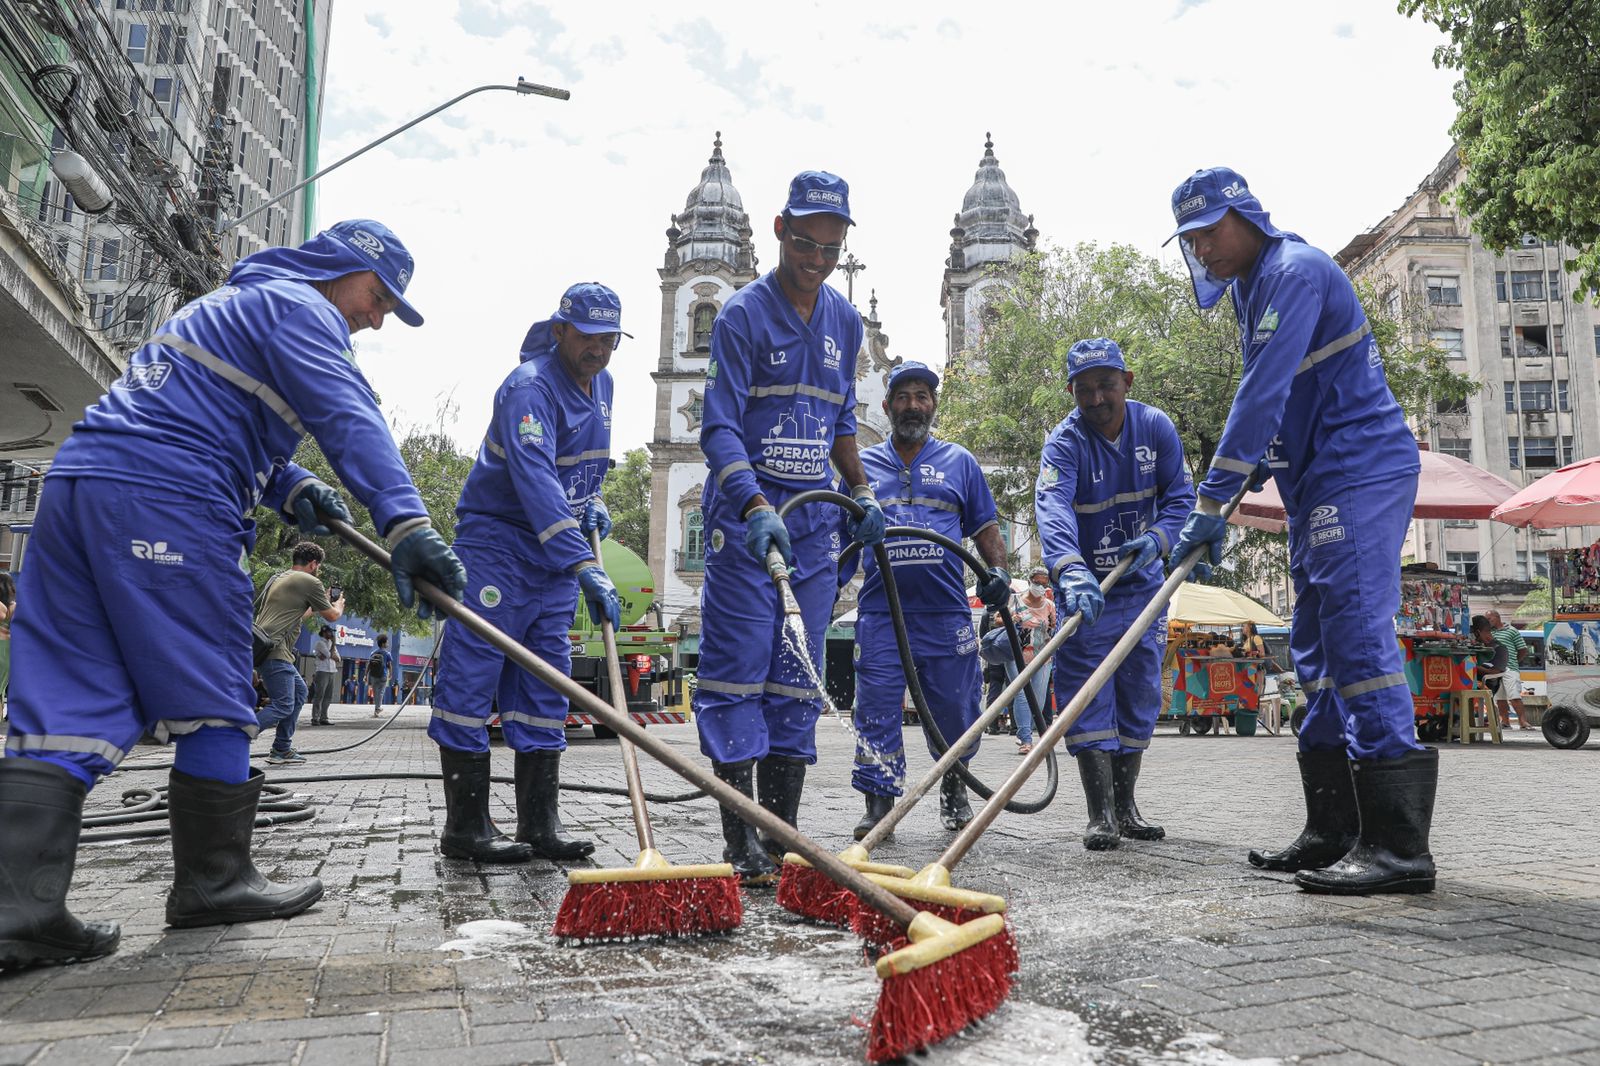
(1080, 592)
(1201, 531)
(868, 529)
(311, 496)
(419, 552)
(1259, 479)
(764, 530)
(997, 589)
(1145, 550)
(596, 518)
(601, 596)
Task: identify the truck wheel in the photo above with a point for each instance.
(1297, 720)
(1202, 725)
(1565, 727)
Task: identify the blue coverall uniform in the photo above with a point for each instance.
(942, 490)
(543, 459)
(1320, 410)
(779, 391)
(1092, 495)
(136, 588)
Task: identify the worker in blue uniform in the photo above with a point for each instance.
(931, 484)
(1314, 408)
(137, 593)
(1112, 482)
(522, 530)
(779, 406)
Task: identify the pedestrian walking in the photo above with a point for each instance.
(325, 678)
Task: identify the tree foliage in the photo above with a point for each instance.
(1003, 397)
(437, 467)
(1528, 126)
(627, 495)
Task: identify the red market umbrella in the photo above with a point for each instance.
(1448, 488)
(1568, 497)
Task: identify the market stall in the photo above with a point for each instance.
(1200, 685)
(1433, 628)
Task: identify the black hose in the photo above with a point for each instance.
(903, 641)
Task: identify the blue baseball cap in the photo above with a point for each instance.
(381, 251)
(911, 370)
(590, 307)
(816, 192)
(1093, 353)
(1206, 196)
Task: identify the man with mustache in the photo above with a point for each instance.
(1112, 482)
(935, 485)
(1314, 409)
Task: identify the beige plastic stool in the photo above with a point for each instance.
(1464, 707)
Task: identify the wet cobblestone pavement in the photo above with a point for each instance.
(1174, 951)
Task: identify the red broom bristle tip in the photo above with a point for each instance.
(811, 894)
(919, 1009)
(613, 910)
(885, 936)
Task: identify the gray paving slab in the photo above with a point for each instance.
(1174, 950)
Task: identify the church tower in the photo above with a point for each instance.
(989, 229)
(709, 257)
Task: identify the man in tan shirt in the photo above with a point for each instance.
(286, 600)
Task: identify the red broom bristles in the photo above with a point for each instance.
(921, 1008)
(812, 894)
(683, 906)
(885, 936)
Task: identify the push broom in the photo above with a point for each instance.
(805, 891)
(947, 977)
(652, 897)
(930, 889)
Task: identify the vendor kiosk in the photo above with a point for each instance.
(1572, 647)
(1433, 629)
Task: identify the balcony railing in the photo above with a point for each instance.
(691, 561)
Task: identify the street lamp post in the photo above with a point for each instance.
(522, 87)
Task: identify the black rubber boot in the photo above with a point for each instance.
(878, 807)
(213, 880)
(1124, 776)
(741, 846)
(41, 808)
(538, 821)
(469, 832)
(1099, 792)
(780, 780)
(954, 810)
(1332, 821)
(1395, 797)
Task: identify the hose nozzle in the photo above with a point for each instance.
(779, 571)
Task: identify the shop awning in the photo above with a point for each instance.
(1208, 605)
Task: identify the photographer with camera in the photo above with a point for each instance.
(286, 600)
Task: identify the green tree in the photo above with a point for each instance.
(1528, 125)
(438, 468)
(1003, 396)
(627, 495)
(1535, 607)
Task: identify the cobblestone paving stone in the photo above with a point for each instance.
(1175, 951)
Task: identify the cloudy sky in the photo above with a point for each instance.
(1333, 112)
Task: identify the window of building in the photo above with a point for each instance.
(1566, 451)
(1451, 406)
(1597, 340)
(693, 555)
(1444, 289)
(163, 44)
(1509, 388)
(1500, 285)
(1558, 339)
(1536, 396)
(180, 48)
(1514, 454)
(1539, 451)
(1463, 563)
(110, 258)
(1563, 396)
(704, 315)
(1527, 285)
(88, 258)
(1532, 342)
(1448, 340)
(255, 63)
(1505, 341)
(138, 41)
(1541, 563)
(1458, 447)
(161, 89)
(1555, 284)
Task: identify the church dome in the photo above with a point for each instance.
(713, 224)
(991, 226)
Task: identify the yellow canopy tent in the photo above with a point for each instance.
(1208, 605)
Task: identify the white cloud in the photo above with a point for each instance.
(1096, 113)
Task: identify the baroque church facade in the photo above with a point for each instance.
(710, 255)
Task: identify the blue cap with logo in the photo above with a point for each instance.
(911, 370)
(1094, 353)
(1207, 196)
(591, 307)
(816, 192)
(381, 251)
